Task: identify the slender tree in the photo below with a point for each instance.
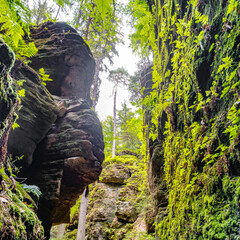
(99, 24)
(107, 126)
(82, 215)
(117, 76)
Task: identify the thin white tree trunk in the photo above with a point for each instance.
(58, 11)
(96, 84)
(114, 120)
(82, 216)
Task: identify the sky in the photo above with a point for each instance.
(126, 59)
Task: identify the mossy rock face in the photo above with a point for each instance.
(196, 152)
(8, 96)
(116, 204)
(18, 218)
(37, 113)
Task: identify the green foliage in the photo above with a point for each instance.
(98, 22)
(107, 126)
(32, 189)
(143, 23)
(118, 76)
(15, 20)
(130, 131)
(201, 134)
(18, 221)
(44, 77)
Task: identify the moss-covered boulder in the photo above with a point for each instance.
(117, 203)
(17, 216)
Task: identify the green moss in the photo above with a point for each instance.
(18, 221)
(199, 92)
(7, 92)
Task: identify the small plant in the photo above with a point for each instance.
(32, 189)
(44, 77)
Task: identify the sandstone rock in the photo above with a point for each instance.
(102, 208)
(60, 136)
(115, 173)
(139, 225)
(126, 210)
(65, 57)
(67, 160)
(112, 207)
(38, 112)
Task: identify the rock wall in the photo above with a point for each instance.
(195, 155)
(60, 137)
(8, 97)
(18, 219)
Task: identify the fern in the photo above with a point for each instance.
(44, 77)
(14, 22)
(32, 189)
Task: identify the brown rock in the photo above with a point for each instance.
(115, 173)
(126, 210)
(65, 57)
(38, 112)
(67, 160)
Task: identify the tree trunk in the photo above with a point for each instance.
(77, 22)
(86, 32)
(82, 215)
(114, 120)
(58, 11)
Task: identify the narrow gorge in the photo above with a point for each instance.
(176, 171)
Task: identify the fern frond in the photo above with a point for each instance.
(14, 22)
(32, 189)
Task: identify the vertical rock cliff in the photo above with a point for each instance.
(194, 158)
(60, 137)
(18, 220)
